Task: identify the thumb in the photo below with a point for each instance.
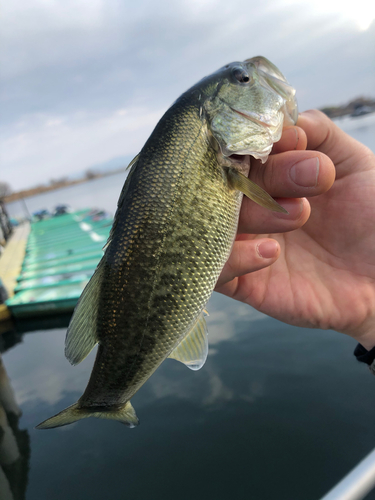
(325, 136)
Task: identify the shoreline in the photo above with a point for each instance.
(352, 108)
(333, 112)
(27, 193)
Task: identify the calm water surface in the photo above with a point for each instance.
(277, 412)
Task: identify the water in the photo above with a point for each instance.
(276, 412)
(361, 128)
(101, 193)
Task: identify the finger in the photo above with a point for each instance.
(257, 220)
(293, 138)
(248, 256)
(294, 174)
(325, 136)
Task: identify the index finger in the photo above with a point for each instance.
(292, 139)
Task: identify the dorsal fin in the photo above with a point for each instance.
(132, 166)
(81, 336)
(193, 349)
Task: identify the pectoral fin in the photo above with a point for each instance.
(193, 349)
(252, 191)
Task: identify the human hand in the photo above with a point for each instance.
(323, 266)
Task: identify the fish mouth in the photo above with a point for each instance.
(259, 119)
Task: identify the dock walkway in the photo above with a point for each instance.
(11, 262)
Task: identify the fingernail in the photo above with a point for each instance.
(268, 249)
(305, 173)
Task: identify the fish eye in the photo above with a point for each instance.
(241, 75)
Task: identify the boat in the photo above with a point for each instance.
(59, 257)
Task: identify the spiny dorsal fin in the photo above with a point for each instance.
(132, 166)
(132, 162)
(193, 349)
(253, 191)
(81, 336)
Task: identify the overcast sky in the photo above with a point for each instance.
(85, 81)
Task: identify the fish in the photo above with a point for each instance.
(173, 231)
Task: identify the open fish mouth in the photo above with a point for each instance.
(260, 119)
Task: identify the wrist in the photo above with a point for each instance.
(362, 330)
(367, 340)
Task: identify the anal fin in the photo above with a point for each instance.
(193, 349)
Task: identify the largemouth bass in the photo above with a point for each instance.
(173, 231)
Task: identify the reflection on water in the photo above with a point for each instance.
(22, 325)
(271, 401)
(14, 444)
(9, 336)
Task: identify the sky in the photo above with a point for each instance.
(84, 82)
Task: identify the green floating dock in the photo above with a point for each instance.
(62, 253)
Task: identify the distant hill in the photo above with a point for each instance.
(356, 107)
(113, 164)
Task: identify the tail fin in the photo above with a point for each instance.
(126, 415)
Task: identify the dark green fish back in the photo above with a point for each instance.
(173, 233)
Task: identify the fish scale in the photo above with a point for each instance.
(172, 234)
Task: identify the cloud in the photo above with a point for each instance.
(62, 145)
(66, 76)
(41, 357)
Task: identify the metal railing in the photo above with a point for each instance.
(357, 483)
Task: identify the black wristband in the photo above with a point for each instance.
(365, 356)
